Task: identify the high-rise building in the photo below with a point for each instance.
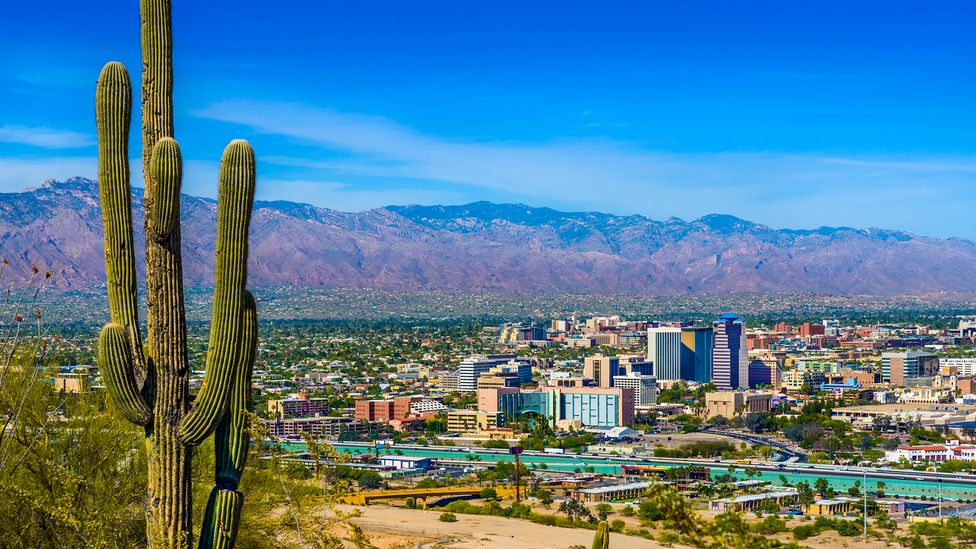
(472, 367)
(644, 387)
(902, 368)
(601, 369)
(730, 357)
(664, 350)
(696, 353)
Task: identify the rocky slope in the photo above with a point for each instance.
(496, 247)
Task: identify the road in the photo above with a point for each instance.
(783, 452)
(899, 482)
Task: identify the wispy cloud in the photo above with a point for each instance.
(779, 189)
(47, 138)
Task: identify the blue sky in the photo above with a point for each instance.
(792, 114)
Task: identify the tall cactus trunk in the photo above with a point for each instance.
(149, 383)
(170, 510)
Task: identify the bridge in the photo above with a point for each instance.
(421, 495)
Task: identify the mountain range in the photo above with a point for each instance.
(487, 247)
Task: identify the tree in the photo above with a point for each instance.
(488, 493)
(149, 383)
(823, 488)
(602, 510)
(769, 506)
(543, 495)
(760, 422)
(881, 487)
(804, 494)
(369, 480)
(855, 491)
(575, 510)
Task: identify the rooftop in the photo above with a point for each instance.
(616, 487)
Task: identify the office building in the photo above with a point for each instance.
(909, 366)
(386, 410)
(730, 404)
(596, 407)
(513, 333)
(794, 380)
(664, 350)
(644, 387)
(323, 426)
(301, 406)
(730, 356)
(472, 367)
(696, 353)
(965, 367)
(601, 369)
(459, 421)
(764, 373)
(634, 364)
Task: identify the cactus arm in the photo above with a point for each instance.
(115, 362)
(235, 198)
(166, 165)
(222, 518)
(113, 110)
(232, 436)
(601, 540)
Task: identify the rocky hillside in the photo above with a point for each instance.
(496, 247)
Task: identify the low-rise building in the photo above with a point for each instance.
(612, 492)
(323, 426)
(300, 406)
(460, 421)
(751, 502)
(599, 407)
(733, 403)
(933, 452)
(835, 506)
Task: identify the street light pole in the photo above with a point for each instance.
(864, 489)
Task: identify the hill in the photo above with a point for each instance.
(506, 248)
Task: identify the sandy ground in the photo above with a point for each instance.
(389, 527)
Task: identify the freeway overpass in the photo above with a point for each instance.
(782, 452)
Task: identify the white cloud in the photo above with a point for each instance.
(780, 189)
(47, 138)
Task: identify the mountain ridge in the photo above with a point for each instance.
(484, 246)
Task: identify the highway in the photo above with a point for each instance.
(898, 482)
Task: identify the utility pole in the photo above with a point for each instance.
(939, 480)
(517, 451)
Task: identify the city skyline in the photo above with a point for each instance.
(858, 117)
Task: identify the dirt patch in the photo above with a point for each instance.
(389, 527)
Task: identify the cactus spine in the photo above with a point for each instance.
(148, 382)
(601, 540)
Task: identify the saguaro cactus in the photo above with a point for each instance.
(148, 382)
(601, 540)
